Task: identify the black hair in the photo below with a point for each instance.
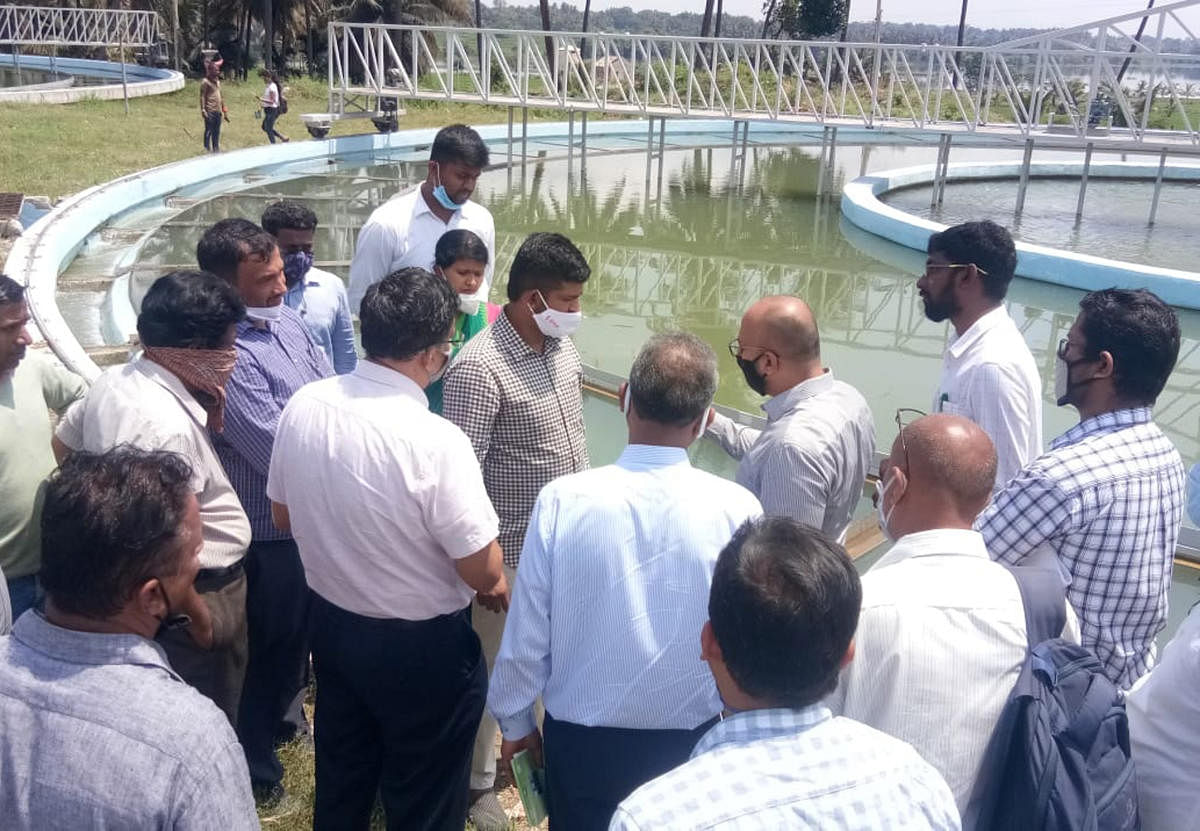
(110, 522)
(188, 310)
(406, 312)
(988, 245)
(289, 214)
(228, 243)
(459, 244)
(460, 144)
(784, 605)
(544, 262)
(1140, 332)
(10, 290)
(673, 379)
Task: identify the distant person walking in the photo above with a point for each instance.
(272, 104)
(212, 107)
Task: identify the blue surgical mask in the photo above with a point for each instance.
(443, 198)
(296, 265)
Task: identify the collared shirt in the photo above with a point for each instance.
(26, 396)
(523, 412)
(813, 457)
(1108, 500)
(320, 299)
(989, 376)
(142, 404)
(793, 769)
(613, 593)
(1164, 731)
(274, 360)
(97, 731)
(383, 495)
(404, 231)
(941, 639)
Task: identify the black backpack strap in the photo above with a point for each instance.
(1044, 597)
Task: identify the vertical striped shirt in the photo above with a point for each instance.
(273, 362)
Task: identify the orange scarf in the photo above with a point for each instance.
(203, 372)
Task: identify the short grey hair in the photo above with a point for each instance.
(673, 379)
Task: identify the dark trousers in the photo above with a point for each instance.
(218, 672)
(277, 630)
(270, 114)
(398, 704)
(212, 132)
(589, 770)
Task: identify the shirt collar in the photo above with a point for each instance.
(977, 330)
(379, 374)
(755, 725)
(95, 648)
(170, 381)
(962, 542)
(646, 456)
(780, 405)
(511, 341)
(422, 207)
(1103, 423)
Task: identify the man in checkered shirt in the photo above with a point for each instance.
(516, 390)
(782, 613)
(1108, 497)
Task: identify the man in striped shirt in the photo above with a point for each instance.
(275, 357)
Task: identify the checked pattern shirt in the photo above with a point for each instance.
(1108, 499)
(523, 412)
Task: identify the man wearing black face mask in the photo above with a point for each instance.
(1108, 497)
(812, 458)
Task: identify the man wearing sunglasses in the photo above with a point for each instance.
(810, 461)
(988, 373)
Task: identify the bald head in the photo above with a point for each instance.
(783, 324)
(950, 459)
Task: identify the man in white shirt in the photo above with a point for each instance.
(810, 461)
(168, 399)
(612, 590)
(941, 637)
(988, 372)
(402, 232)
(396, 533)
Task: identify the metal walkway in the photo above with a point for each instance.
(49, 26)
(1060, 88)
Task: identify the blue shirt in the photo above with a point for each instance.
(97, 731)
(274, 360)
(793, 769)
(1193, 491)
(320, 299)
(612, 593)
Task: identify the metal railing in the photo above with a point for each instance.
(50, 26)
(1075, 80)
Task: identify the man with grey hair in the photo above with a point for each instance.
(615, 573)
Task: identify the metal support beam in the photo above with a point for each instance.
(1158, 180)
(1023, 182)
(1083, 182)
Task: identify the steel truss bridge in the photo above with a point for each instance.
(50, 26)
(1092, 83)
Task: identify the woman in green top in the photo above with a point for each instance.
(461, 257)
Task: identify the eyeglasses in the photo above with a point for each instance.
(901, 415)
(736, 347)
(954, 265)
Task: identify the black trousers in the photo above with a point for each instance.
(212, 132)
(589, 770)
(277, 629)
(398, 704)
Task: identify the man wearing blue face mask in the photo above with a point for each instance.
(317, 296)
(402, 232)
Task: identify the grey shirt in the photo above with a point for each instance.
(812, 458)
(97, 732)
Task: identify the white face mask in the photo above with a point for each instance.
(268, 314)
(556, 324)
(884, 518)
(468, 305)
(628, 398)
(437, 376)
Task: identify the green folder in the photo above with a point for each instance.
(531, 784)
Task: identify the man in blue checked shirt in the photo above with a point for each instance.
(275, 357)
(1108, 497)
(782, 614)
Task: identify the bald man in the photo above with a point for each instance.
(810, 461)
(941, 636)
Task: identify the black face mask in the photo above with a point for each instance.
(756, 380)
(170, 622)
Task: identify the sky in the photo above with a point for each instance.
(982, 13)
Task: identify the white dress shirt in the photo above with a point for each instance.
(383, 495)
(142, 404)
(940, 643)
(989, 376)
(1164, 728)
(612, 594)
(403, 233)
(813, 457)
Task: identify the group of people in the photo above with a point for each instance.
(678, 650)
(213, 111)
